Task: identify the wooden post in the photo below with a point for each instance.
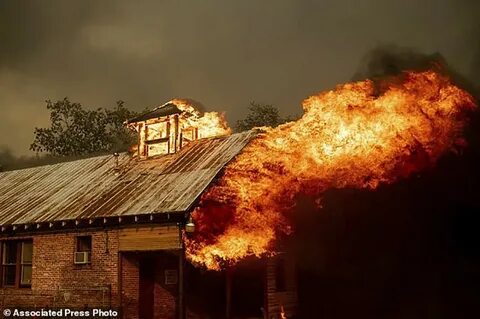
(145, 145)
(140, 145)
(120, 283)
(176, 138)
(168, 135)
(228, 293)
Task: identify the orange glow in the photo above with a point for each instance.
(209, 124)
(358, 135)
(168, 134)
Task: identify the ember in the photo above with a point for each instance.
(358, 135)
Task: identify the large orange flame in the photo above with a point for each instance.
(358, 135)
(209, 124)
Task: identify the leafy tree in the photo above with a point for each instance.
(120, 137)
(75, 131)
(261, 115)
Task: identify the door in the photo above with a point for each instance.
(248, 289)
(147, 285)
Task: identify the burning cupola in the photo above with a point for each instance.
(171, 126)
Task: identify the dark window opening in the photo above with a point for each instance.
(17, 263)
(83, 250)
(84, 243)
(280, 273)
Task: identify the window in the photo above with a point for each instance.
(157, 138)
(280, 275)
(83, 250)
(84, 243)
(17, 263)
(26, 263)
(9, 263)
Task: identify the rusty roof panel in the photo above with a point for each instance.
(96, 187)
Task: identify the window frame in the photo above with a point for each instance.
(158, 143)
(24, 264)
(77, 249)
(19, 263)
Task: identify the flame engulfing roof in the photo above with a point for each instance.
(97, 188)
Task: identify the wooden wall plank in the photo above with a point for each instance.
(149, 238)
(287, 298)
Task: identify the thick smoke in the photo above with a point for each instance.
(391, 60)
(6, 158)
(224, 54)
(397, 252)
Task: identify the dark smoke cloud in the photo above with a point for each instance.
(222, 53)
(474, 73)
(391, 60)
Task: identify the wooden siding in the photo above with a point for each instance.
(287, 298)
(150, 238)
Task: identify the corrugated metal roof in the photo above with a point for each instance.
(96, 187)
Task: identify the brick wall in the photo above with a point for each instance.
(130, 285)
(164, 295)
(58, 282)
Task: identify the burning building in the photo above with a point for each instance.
(114, 231)
(107, 231)
(359, 135)
(166, 129)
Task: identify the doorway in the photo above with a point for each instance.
(236, 293)
(147, 287)
(247, 289)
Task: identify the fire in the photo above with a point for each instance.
(359, 135)
(179, 125)
(209, 124)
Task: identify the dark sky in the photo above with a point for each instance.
(221, 53)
